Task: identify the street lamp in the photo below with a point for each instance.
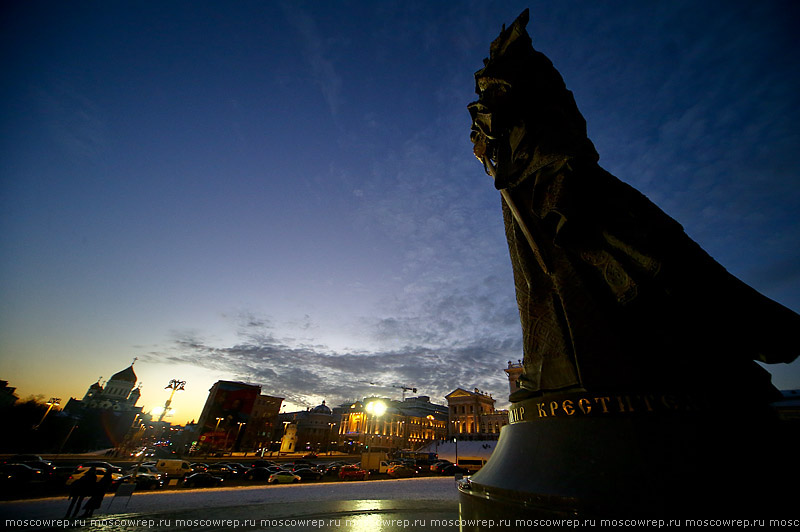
(238, 431)
(285, 424)
(64, 442)
(215, 441)
(176, 386)
(330, 429)
(54, 401)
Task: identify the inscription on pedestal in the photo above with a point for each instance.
(582, 405)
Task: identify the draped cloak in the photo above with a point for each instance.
(612, 293)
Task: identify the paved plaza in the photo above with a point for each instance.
(376, 506)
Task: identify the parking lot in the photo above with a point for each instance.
(319, 471)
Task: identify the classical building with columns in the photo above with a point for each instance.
(471, 415)
(376, 423)
(312, 430)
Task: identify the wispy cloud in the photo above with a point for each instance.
(75, 122)
(315, 51)
(461, 337)
(305, 376)
(708, 134)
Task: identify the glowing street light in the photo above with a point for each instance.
(376, 408)
(54, 401)
(238, 443)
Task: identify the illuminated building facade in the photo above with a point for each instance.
(471, 415)
(382, 424)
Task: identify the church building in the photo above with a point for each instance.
(119, 394)
(106, 413)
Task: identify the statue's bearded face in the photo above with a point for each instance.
(498, 134)
(490, 128)
(525, 118)
(480, 133)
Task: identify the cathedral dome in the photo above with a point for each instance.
(321, 409)
(126, 375)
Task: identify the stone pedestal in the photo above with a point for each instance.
(666, 456)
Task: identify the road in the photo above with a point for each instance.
(371, 505)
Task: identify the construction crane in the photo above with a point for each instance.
(406, 389)
(400, 386)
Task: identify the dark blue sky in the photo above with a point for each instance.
(284, 192)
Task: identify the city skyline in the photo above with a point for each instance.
(284, 193)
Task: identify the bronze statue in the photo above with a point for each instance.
(640, 395)
(612, 293)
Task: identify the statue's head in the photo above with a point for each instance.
(525, 117)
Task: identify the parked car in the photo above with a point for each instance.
(263, 463)
(308, 474)
(283, 477)
(145, 470)
(353, 472)
(34, 461)
(261, 473)
(239, 468)
(412, 465)
(61, 474)
(20, 458)
(105, 465)
(401, 471)
(82, 470)
(16, 475)
(202, 480)
(333, 468)
(145, 481)
(221, 470)
(436, 466)
(452, 469)
(297, 467)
